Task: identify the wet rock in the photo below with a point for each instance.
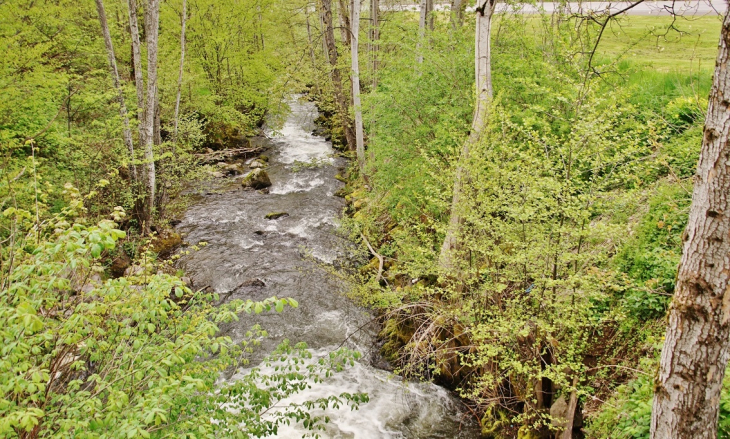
(216, 174)
(261, 232)
(257, 179)
(276, 215)
(257, 164)
(263, 158)
(175, 222)
(253, 282)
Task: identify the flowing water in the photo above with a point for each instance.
(250, 257)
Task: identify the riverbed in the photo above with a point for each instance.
(250, 257)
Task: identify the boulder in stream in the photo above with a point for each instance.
(257, 179)
(257, 164)
(276, 215)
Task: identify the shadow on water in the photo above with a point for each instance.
(251, 257)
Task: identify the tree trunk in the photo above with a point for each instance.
(697, 344)
(152, 22)
(429, 14)
(423, 6)
(457, 13)
(374, 37)
(345, 25)
(483, 78)
(340, 98)
(359, 142)
(126, 132)
(180, 74)
(136, 57)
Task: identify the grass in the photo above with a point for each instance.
(685, 45)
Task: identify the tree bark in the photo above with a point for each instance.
(354, 52)
(340, 98)
(374, 37)
(126, 131)
(697, 344)
(423, 6)
(345, 25)
(136, 56)
(483, 79)
(152, 22)
(180, 73)
(429, 14)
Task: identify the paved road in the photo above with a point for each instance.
(686, 8)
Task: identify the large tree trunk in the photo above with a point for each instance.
(697, 344)
(126, 132)
(136, 56)
(374, 37)
(354, 52)
(152, 22)
(340, 98)
(180, 73)
(483, 78)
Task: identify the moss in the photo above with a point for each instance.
(276, 215)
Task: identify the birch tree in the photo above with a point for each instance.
(354, 52)
(152, 26)
(136, 55)
(126, 131)
(483, 79)
(182, 65)
(697, 345)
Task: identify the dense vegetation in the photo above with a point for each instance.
(578, 191)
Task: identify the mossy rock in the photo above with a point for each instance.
(264, 158)
(257, 179)
(276, 215)
(340, 178)
(165, 243)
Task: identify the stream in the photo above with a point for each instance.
(250, 257)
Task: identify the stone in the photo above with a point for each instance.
(263, 158)
(276, 215)
(559, 412)
(257, 179)
(120, 264)
(255, 282)
(256, 164)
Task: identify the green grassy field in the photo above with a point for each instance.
(688, 49)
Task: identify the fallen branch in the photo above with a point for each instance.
(225, 154)
(374, 253)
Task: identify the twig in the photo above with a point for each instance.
(380, 258)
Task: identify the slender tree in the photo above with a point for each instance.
(697, 345)
(483, 79)
(126, 131)
(335, 75)
(136, 55)
(182, 65)
(374, 37)
(423, 8)
(354, 52)
(457, 13)
(345, 25)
